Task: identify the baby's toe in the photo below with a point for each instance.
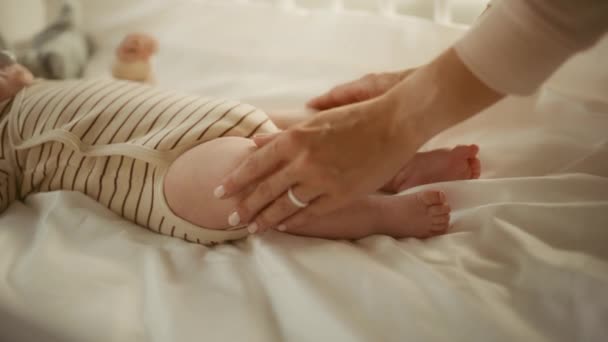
(474, 150)
(438, 210)
(466, 151)
(475, 166)
(440, 220)
(438, 229)
(432, 197)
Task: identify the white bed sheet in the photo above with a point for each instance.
(527, 259)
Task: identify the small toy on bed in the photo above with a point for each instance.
(134, 58)
(13, 76)
(60, 51)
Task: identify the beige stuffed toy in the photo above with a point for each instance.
(134, 58)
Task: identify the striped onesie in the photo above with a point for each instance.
(114, 141)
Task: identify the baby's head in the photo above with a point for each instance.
(137, 47)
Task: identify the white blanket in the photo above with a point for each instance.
(527, 259)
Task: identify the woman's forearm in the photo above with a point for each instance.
(437, 96)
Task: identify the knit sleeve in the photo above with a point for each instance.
(518, 44)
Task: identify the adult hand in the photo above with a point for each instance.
(350, 151)
(363, 89)
(328, 161)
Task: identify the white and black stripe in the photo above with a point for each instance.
(114, 141)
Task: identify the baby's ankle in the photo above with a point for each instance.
(380, 213)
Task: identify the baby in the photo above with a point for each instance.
(154, 157)
(13, 77)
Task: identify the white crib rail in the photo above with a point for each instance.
(441, 8)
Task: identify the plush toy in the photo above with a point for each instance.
(60, 51)
(134, 58)
(13, 77)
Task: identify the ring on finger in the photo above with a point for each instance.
(295, 200)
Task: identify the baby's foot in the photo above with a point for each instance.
(459, 163)
(421, 215)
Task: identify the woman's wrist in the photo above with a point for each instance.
(409, 105)
(437, 96)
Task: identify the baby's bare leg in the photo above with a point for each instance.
(191, 179)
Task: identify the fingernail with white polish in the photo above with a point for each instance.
(234, 219)
(219, 192)
(282, 227)
(252, 228)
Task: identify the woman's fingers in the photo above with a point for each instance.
(263, 139)
(321, 206)
(365, 88)
(282, 208)
(341, 95)
(330, 159)
(260, 163)
(266, 191)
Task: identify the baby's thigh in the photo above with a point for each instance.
(193, 176)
